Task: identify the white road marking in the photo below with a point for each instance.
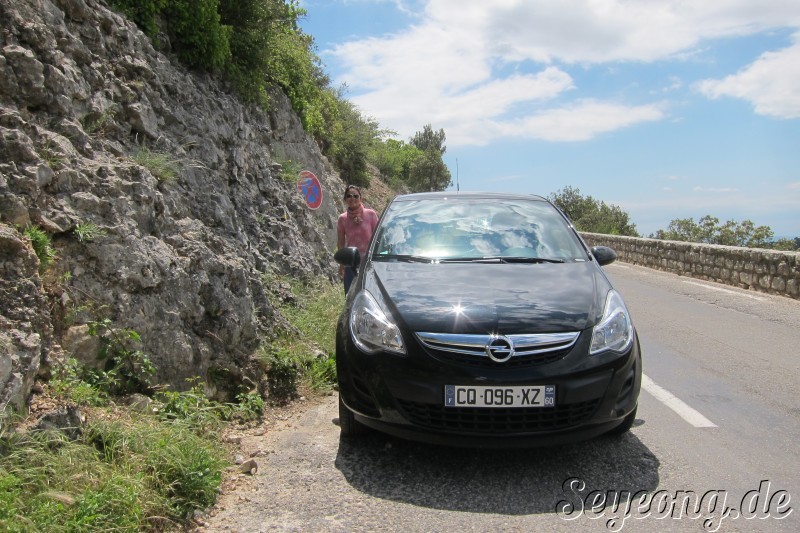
(720, 289)
(670, 400)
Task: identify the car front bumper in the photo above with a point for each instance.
(404, 396)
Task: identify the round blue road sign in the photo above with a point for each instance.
(311, 189)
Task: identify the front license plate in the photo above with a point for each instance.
(488, 396)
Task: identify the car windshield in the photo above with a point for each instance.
(480, 229)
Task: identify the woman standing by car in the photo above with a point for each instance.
(354, 228)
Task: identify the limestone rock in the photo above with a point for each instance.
(98, 127)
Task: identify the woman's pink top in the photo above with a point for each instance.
(357, 235)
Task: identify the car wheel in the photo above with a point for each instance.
(627, 424)
(349, 427)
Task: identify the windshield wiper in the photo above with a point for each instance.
(516, 259)
(402, 257)
(501, 259)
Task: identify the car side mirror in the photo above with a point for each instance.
(604, 255)
(349, 257)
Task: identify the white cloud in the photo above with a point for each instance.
(794, 186)
(599, 31)
(467, 65)
(428, 57)
(473, 115)
(771, 83)
(579, 122)
(675, 84)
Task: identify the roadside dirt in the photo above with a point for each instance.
(252, 449)
(288, 437)
(310, 480)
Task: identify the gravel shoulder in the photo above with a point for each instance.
(310, 480)
(271, 459)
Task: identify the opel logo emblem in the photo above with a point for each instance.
(500, 349)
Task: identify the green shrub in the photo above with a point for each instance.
(197, 36)
(257, 45)
(313, 311)
(10, 497)
(127, 370)
(282, 368)
(42, 245)
(150, 467)
(99, 123)
(290, 170)
(143, 12)
(77, 384)
(88, 231)
(322, 374)
(182, 466)
(252, 25)
(55, 484)
(249, 406)
(193, 408)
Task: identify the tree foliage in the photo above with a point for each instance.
(428, 171)
(349, 143)
(256, 45)
(261, 44)
(594, 216)
(417, 165)
(709, 230)
(429, 140)
(394, 158)
(784, 244)
(199, 38)
(143, 12)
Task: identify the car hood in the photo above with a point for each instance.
(490, 297)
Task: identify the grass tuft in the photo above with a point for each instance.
(42, 245)
(126, 473)
(88, 231)
(133, 471)
(161, 165)
(306, 352)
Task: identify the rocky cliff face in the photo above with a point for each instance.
(93, 122)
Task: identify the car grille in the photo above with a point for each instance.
(497, 420)
(529, 350)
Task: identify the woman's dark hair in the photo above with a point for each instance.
(358, 190)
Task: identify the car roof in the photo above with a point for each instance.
(467, 195)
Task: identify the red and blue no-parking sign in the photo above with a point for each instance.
(311, 189)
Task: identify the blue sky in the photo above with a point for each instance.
(666, 108)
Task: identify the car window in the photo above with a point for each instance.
(453, 229)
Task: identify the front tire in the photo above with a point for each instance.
(349, 427)
(626, 425)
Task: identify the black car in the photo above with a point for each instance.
(483, 319)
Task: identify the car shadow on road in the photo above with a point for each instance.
(512, 482)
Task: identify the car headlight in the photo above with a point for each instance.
(615, 329)
(371, 329)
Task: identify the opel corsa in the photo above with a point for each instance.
(484, 320)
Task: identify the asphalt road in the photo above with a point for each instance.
(716, 446)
